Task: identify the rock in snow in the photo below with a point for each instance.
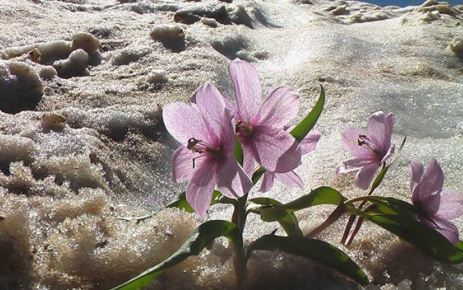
(82, 85)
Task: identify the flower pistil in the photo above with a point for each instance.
(364, 141)
(243, 128)
(198, 146)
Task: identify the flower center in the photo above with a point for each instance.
(364, 141)
(198, 146)
(243, 128)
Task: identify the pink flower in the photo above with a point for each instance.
(206, 158)
(438, 206)
(290, 178)
(259, 124)
(370, 149)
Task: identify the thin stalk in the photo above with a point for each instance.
(334, 216)
(240, 261)
(352, 219)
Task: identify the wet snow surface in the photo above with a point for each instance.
(82, 85)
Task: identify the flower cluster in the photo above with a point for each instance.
(436, 205)
(371, 150)
(208, 128)
(228, 145)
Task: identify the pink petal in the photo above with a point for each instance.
(268, 180)
(416, 172)
(290, 178)
(444, 227)
(200, 188)
(228, 104)
(247, 88)
(232, 181)
(431, 182)
(380, 130)
(249, 164)
(182, 165)
(352, 165)
(350, 140)
(184, 122)
(290, 159)
(388, 154)
(276, 151)
(210, 103)
(429, 203)
(365, 176)
(217, 117)
(310, 141)
(451, 205)
(279, 107)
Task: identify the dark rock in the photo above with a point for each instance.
(194, 13)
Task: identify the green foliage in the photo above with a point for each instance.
(398, 217)
(317, 250)
(379, 178)
(257, 175)
(238, 151)
(288, 222)
(304, 127)
(198, 240)
(318, 196)
(181, 203)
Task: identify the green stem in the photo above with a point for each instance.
(240, 261)
(334, 216)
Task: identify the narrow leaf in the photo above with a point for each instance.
(238, 151)
(181, 203)
(198, 240)
(379, 178)
(404, 225)
(318, 196)
(304, 127)
(317, 250)
(257, 174)
(288, 222)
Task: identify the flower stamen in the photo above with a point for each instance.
(243, 128)
(198, 146)
(363, 140)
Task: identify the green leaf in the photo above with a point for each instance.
(318, 196)
(460, 245)
(289, 222)
(181, 203)
(238, 151)
(198, 240)
(379, 178)
(304, 127)
(317, 250)
(401, 222)
(257, 175)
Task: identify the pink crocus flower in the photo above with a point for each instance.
(206, 158)
(259, 124)
(437, 206)
(291, 178)
(370, 148)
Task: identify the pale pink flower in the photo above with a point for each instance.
(370, 148)
(206, 158)
(259, 124)
(291, 178)
(437, 206)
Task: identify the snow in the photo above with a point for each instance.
(63, 185)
